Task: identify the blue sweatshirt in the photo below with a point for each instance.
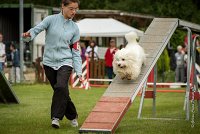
(61, 33)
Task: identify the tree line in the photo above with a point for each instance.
(184, 9)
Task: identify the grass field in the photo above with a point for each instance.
(32, 115)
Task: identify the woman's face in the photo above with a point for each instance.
(112, 43)
(70, 10)
(11, 48)
(92, 44)
(197, 43)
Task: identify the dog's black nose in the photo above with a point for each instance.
(119, 65)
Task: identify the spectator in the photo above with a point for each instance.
(122, 46)
(83, 50)
(15, 70)
(92, 50)
(109, 58)
(179, 72)
(2, 53)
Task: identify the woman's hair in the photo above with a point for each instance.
(92, 41)
(67, 2)
(13, 45)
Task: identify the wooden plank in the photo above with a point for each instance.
(149, 45)
(95, 69)
(94, 127)
(118, 80)
(161, 31)
(114, 99)
(116, 94)
(103, 69)
(115, 88)
(109, 107)
(91, 68)
(165, 20)
(162, 25)
(119, 91)
(153, 55)
(152, 39)
(148, 61)
(102, 117)
(99, 69)
(151, 52)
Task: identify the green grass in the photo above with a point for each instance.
(32, 115)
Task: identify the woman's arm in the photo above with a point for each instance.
(76, 56)
(33, 32)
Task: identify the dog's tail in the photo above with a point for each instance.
(131, 37)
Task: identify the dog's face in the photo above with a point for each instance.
(121, 59)
(121, 62)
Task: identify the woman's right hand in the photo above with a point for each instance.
(26, 37)
(26, 34)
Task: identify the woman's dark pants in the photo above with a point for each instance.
(62, 104)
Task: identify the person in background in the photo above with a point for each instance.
(83, 50)
(61, 55)
(109, 55)
(121, 46)
(2, 53)
(179, 72)
(92, 51)
(15, 70)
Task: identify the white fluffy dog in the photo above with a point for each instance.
(128, 61)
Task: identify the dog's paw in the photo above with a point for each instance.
(129, 79)
(128, 76)
(123, 78)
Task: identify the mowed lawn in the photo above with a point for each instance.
(32, 115)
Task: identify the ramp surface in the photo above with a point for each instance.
(114, 103)
(6, 93)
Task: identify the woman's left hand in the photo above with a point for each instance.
(80, 78)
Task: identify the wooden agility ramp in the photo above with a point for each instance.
(112, 106)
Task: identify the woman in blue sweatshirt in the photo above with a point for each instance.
(61, 55)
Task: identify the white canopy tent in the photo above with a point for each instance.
(104, 27)
(94, 27)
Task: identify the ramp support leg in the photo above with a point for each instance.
(187, 102)
(154, 95)
(142, 99)
(154, 90)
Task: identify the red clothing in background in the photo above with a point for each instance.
(109, 57)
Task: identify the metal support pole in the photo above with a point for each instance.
(188, 73)
(154, 91)
(142, 99)
(21, 29)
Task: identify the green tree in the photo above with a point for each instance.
(163, 64)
